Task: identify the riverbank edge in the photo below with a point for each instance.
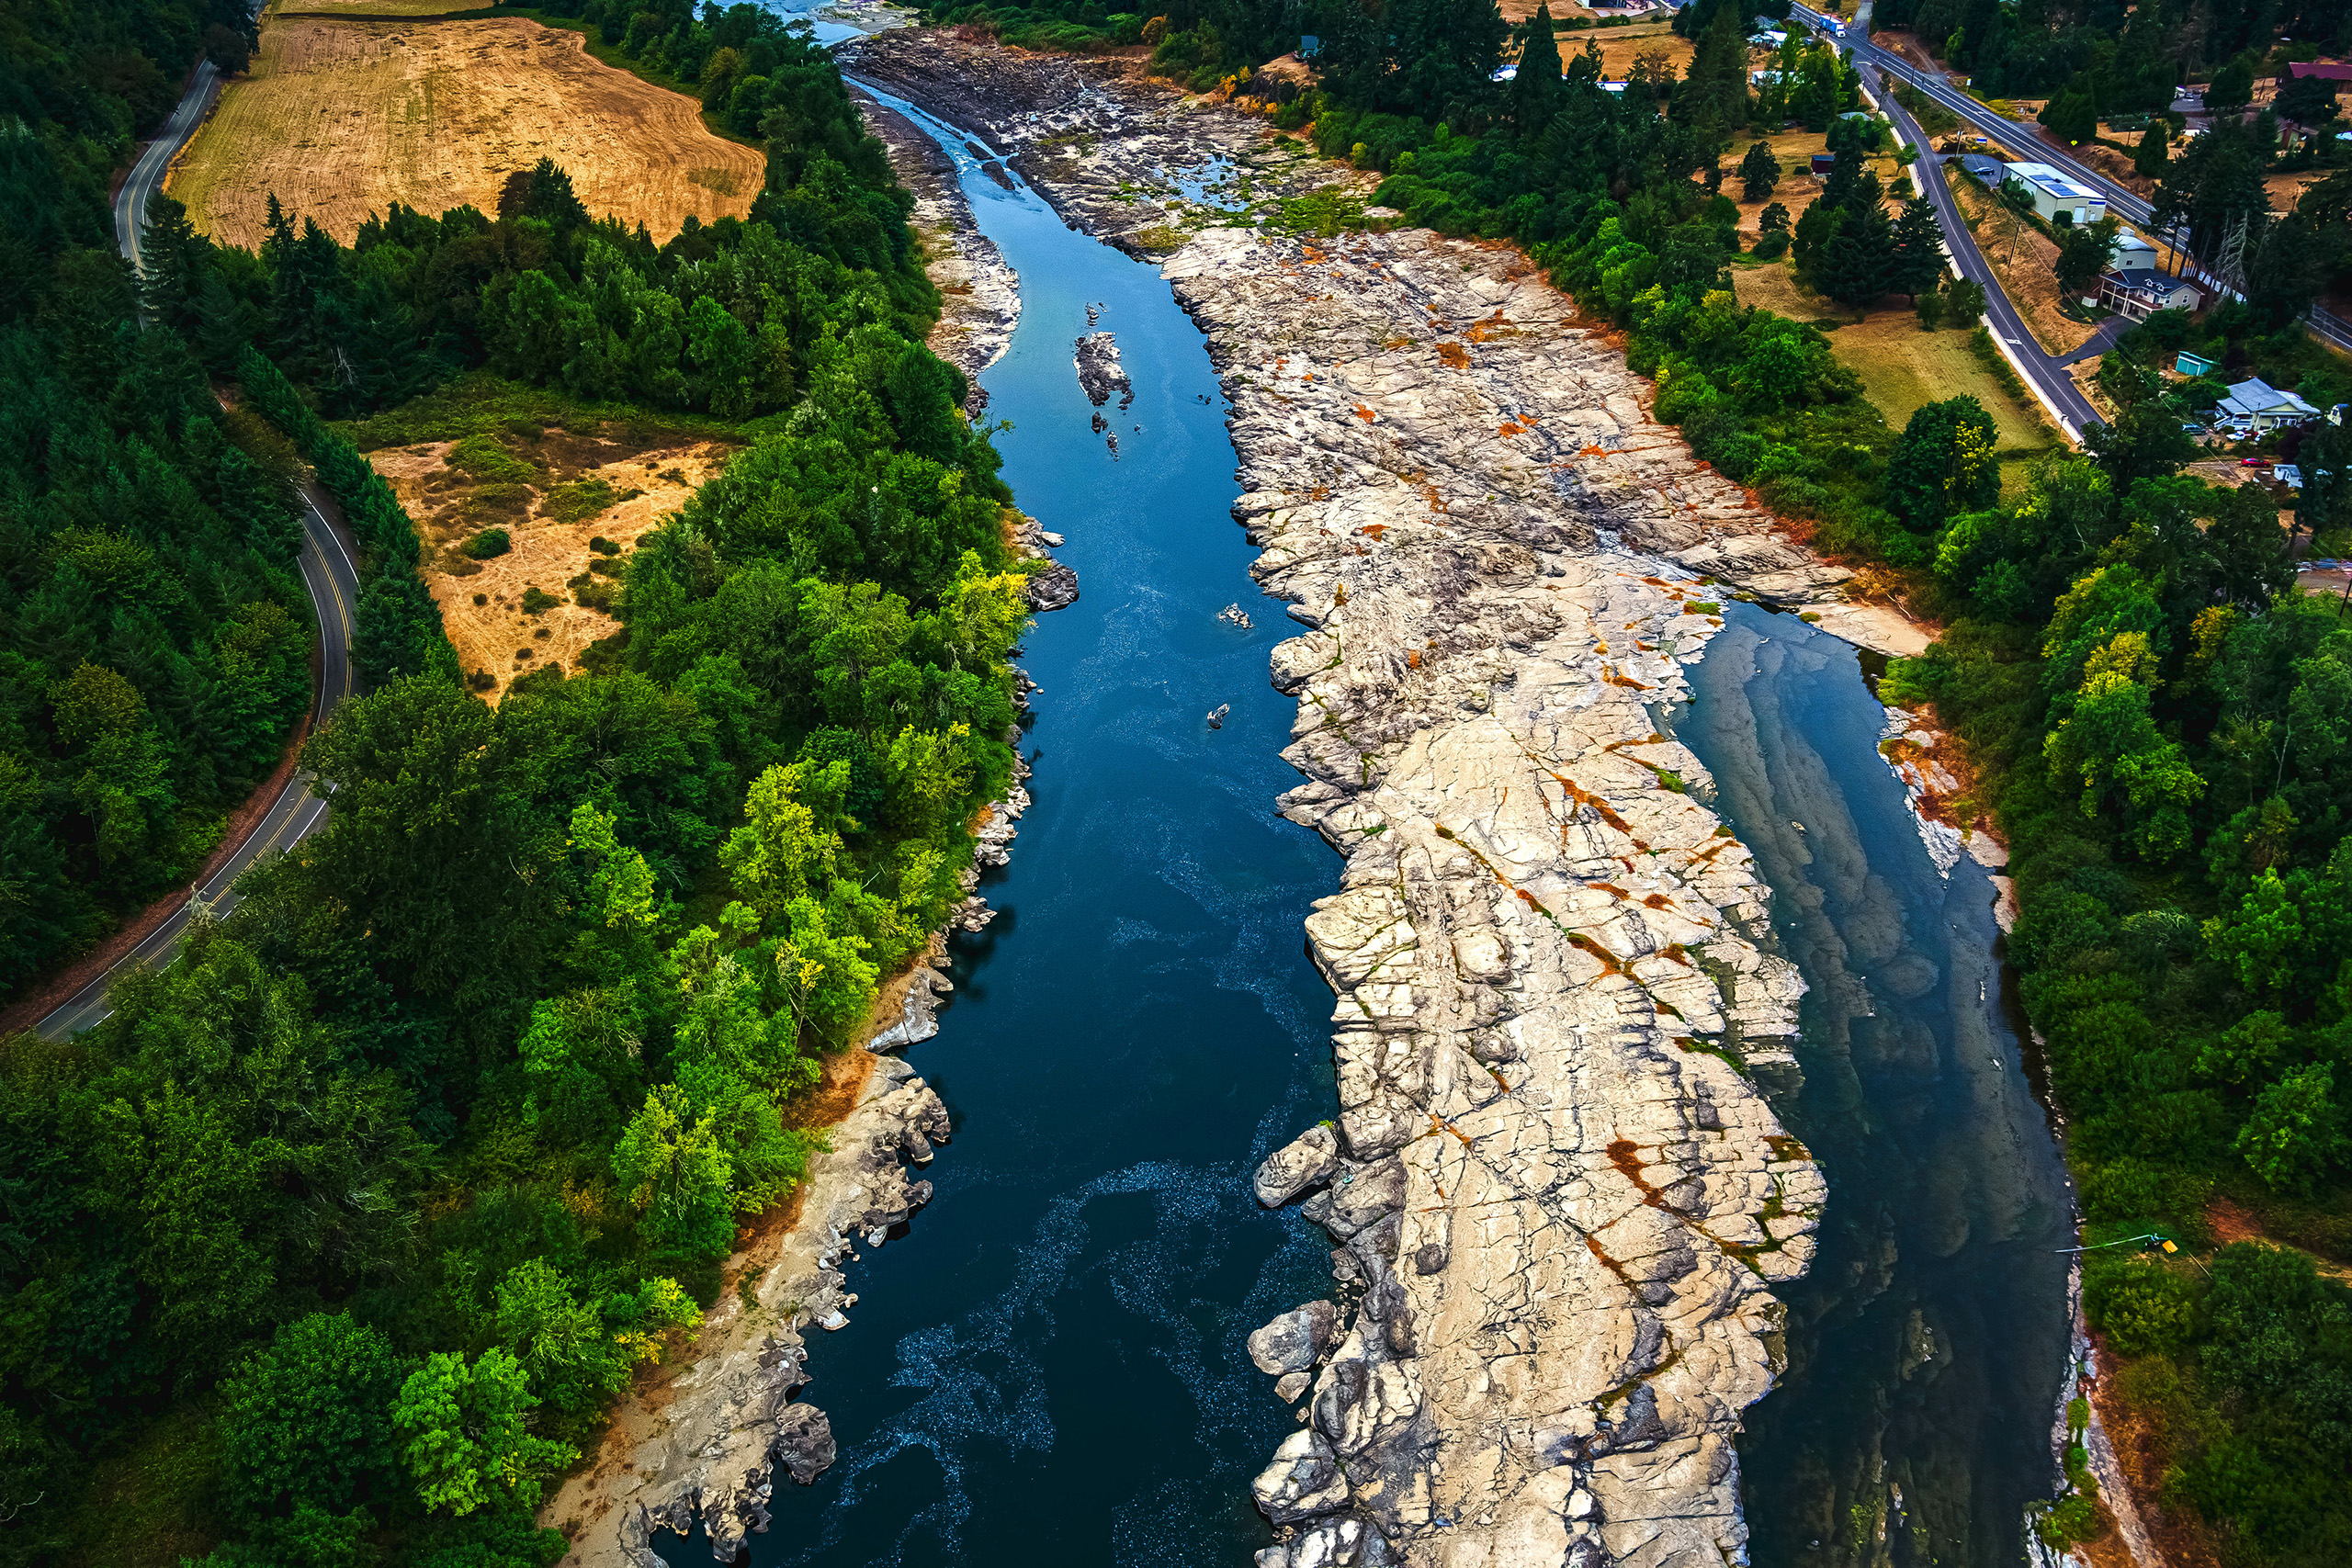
(697, 1441)
(1319, 1528)
(720, 1421)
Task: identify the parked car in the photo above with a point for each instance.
(2253, 462)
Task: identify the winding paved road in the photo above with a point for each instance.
(328, 573)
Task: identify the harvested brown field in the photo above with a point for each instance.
(1619, 45)
(378, 8)
(343, 118)
(539, 601)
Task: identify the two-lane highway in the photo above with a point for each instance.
(329, 573)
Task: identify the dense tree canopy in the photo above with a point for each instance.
(378, 1194)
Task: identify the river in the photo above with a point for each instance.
(1050, 1367)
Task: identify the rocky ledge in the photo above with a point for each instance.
(1557, 1198)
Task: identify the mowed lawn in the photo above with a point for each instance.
(1901, 366)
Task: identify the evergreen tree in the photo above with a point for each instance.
(1850, 185)
(2232, 87)
(1759, 171)
(547, 196)
(2148, 159)
(1535, 91)
(1919, 250)
(174, 262)
(1714, 84)
(2087, 250)
(1854, 268)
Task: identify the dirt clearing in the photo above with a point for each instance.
(548, 595)
(343, 118)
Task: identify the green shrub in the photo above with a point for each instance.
(2143, 1308)
(489, 542)
(577, 501)
(482, 457)
(535, 601)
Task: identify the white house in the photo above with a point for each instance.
(2259, 406)
(2134, 253)
(2053, 193)
(2138, 293)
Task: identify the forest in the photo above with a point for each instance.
(332, 1244)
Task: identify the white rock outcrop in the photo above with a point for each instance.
(1558, 1198)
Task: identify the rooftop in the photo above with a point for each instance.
(2053, 182)
(2147, 280)
(2257, 396)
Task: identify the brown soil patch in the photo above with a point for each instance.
(2115, 165)
(2027, 263)
(2287, 189)
(1908, 46)
(639, 486)
(340, 119)
(2142, 1455)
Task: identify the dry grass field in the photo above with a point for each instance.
(1901, 365)
(1619, 45)
(343, 118)
(552, 493)
(375, 7)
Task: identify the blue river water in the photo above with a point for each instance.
(1049, 1368)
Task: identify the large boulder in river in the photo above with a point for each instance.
(804, 1442)
(1291, 1342)
(1306, 1161)
(1304, 1480)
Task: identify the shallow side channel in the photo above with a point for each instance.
(1926, 1346)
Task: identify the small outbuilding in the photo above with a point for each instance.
(2189, 364)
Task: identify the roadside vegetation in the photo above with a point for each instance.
(331, 1245)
